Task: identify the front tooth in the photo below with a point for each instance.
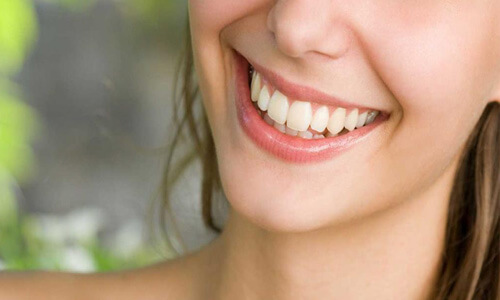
(371, 117)
(263, 101)
(280, 127)
(361, 119)
(278, 107)
(351, 120)
(299, 116)
(256, 85)
(336, 121)
(320, 119)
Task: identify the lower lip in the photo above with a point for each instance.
(286, 147)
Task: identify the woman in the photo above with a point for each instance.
(357, 143)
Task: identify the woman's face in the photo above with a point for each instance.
(428, 67)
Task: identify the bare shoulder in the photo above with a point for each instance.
(170, 279)
(39, 285)
(185, 278)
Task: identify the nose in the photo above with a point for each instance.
(305, 26)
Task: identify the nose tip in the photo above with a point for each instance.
(304, 26)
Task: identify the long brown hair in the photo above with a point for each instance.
(470, 264)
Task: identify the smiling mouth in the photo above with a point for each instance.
(293, 122)
(305, 119)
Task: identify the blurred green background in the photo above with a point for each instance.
(85, 90)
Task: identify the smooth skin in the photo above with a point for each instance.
(368, 224)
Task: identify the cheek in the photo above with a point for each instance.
(212, 15)
(437, 69)
(207, 19)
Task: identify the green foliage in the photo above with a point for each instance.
(17, 33)
(17, 127)
(17, 120)
(24, 244)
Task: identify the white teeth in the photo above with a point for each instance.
(320, 119)
(336, 121)
(371, 117)
(268, 120)
(256, 86)
(299, 116)
(278, 107)
(306, 134)
(290, 131)
(263, 101)
(361, 119)
(280, 127)
(351, 120)
(296, 119)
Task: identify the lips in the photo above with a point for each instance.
(274, 139)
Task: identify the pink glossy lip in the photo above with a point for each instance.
(285, 147)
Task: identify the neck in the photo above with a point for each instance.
(394, 254)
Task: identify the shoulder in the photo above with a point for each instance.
(170, 279)
(39, 285)
(185, 277)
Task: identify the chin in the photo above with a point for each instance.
(278, 199)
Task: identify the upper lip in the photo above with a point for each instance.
(302, 92)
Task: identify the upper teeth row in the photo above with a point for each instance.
(299, 115)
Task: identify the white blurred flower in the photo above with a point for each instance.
(77, 259)
(80, 225)
(51, 229)
(128, 239)
(84, 224)
(2, 265)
